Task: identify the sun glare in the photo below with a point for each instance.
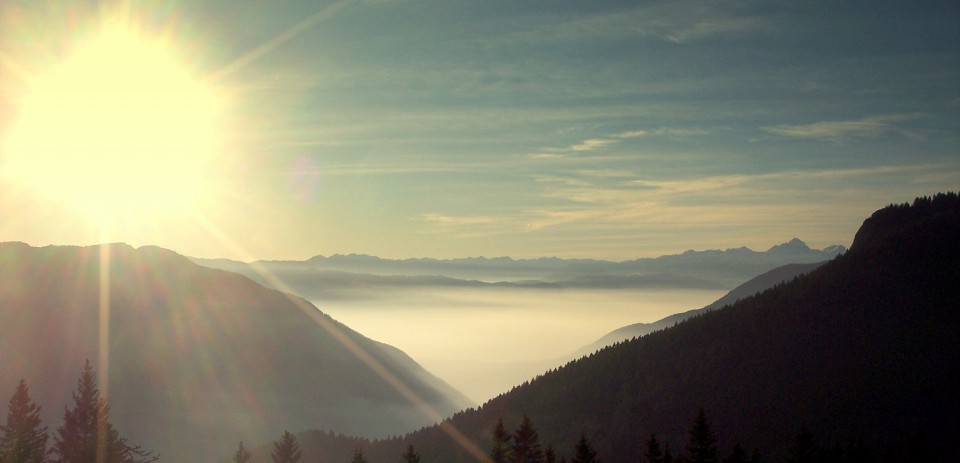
(120, 127)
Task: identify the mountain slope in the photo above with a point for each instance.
(753, 286)
(865, 348)
(199, 358)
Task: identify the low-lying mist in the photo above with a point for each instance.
(483, 341)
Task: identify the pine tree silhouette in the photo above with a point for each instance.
(526, 444)
(653, 453)
(667, 454)
(737, 455)
(501, 443)
(287, 449)
(243, 455)
(583, 452)
(549, 455)
(358, 456)
(87, 436)
(702, 446)
(24, 438)
(411, 456)
(804, 449)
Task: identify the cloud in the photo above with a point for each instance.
(597, 143)
(465, 227)
(679, 22)
(621, 210)
(632, 134)
(783, 201)
(546, 155)
(707, 28)
(606, 173)
(873, 126)
(680, 132)
(456, 220)
(592, 144)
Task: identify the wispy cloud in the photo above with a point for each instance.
(685, 32)
(606, 173)
(597, 143)
(679, 22)
(872, 126)
(625, 210)
(632, 134)
(680, 132)
(462, 226)
(592, 144)
(782, 200)
(546, 155)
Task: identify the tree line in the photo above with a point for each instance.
(88, 436)
(523, 446)
(287, 450)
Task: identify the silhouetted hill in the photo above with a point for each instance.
(864, 349)
(199, 358)
(753, 286)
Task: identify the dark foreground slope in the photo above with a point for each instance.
(865, 347)
(198, 358)
(753, 286)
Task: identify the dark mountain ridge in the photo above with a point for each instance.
(862, 349)
(198, 358)
(753, 286)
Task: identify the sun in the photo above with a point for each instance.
(119, 128)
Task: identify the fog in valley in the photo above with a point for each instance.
(484, 341)
(486, 325)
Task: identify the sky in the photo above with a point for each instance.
(441, 128)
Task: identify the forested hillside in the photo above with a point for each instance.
(753, 286)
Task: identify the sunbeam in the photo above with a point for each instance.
(274, 43)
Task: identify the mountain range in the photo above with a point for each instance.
(862, 352)
(198, 358)
(360, 276)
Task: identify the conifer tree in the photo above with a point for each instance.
(358, 456)
(653, 453)
(87, 436)
(583, 452)
(411, 456)
(803, 449)
(702, 446)
(526, 444)
(24, 438)
(667, 454)
(286, 450)
(549, 455)
(243, 455)
(737, 455)
(501, 443)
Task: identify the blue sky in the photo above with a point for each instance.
(610, 130)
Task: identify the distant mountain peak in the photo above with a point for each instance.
(794, 245)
